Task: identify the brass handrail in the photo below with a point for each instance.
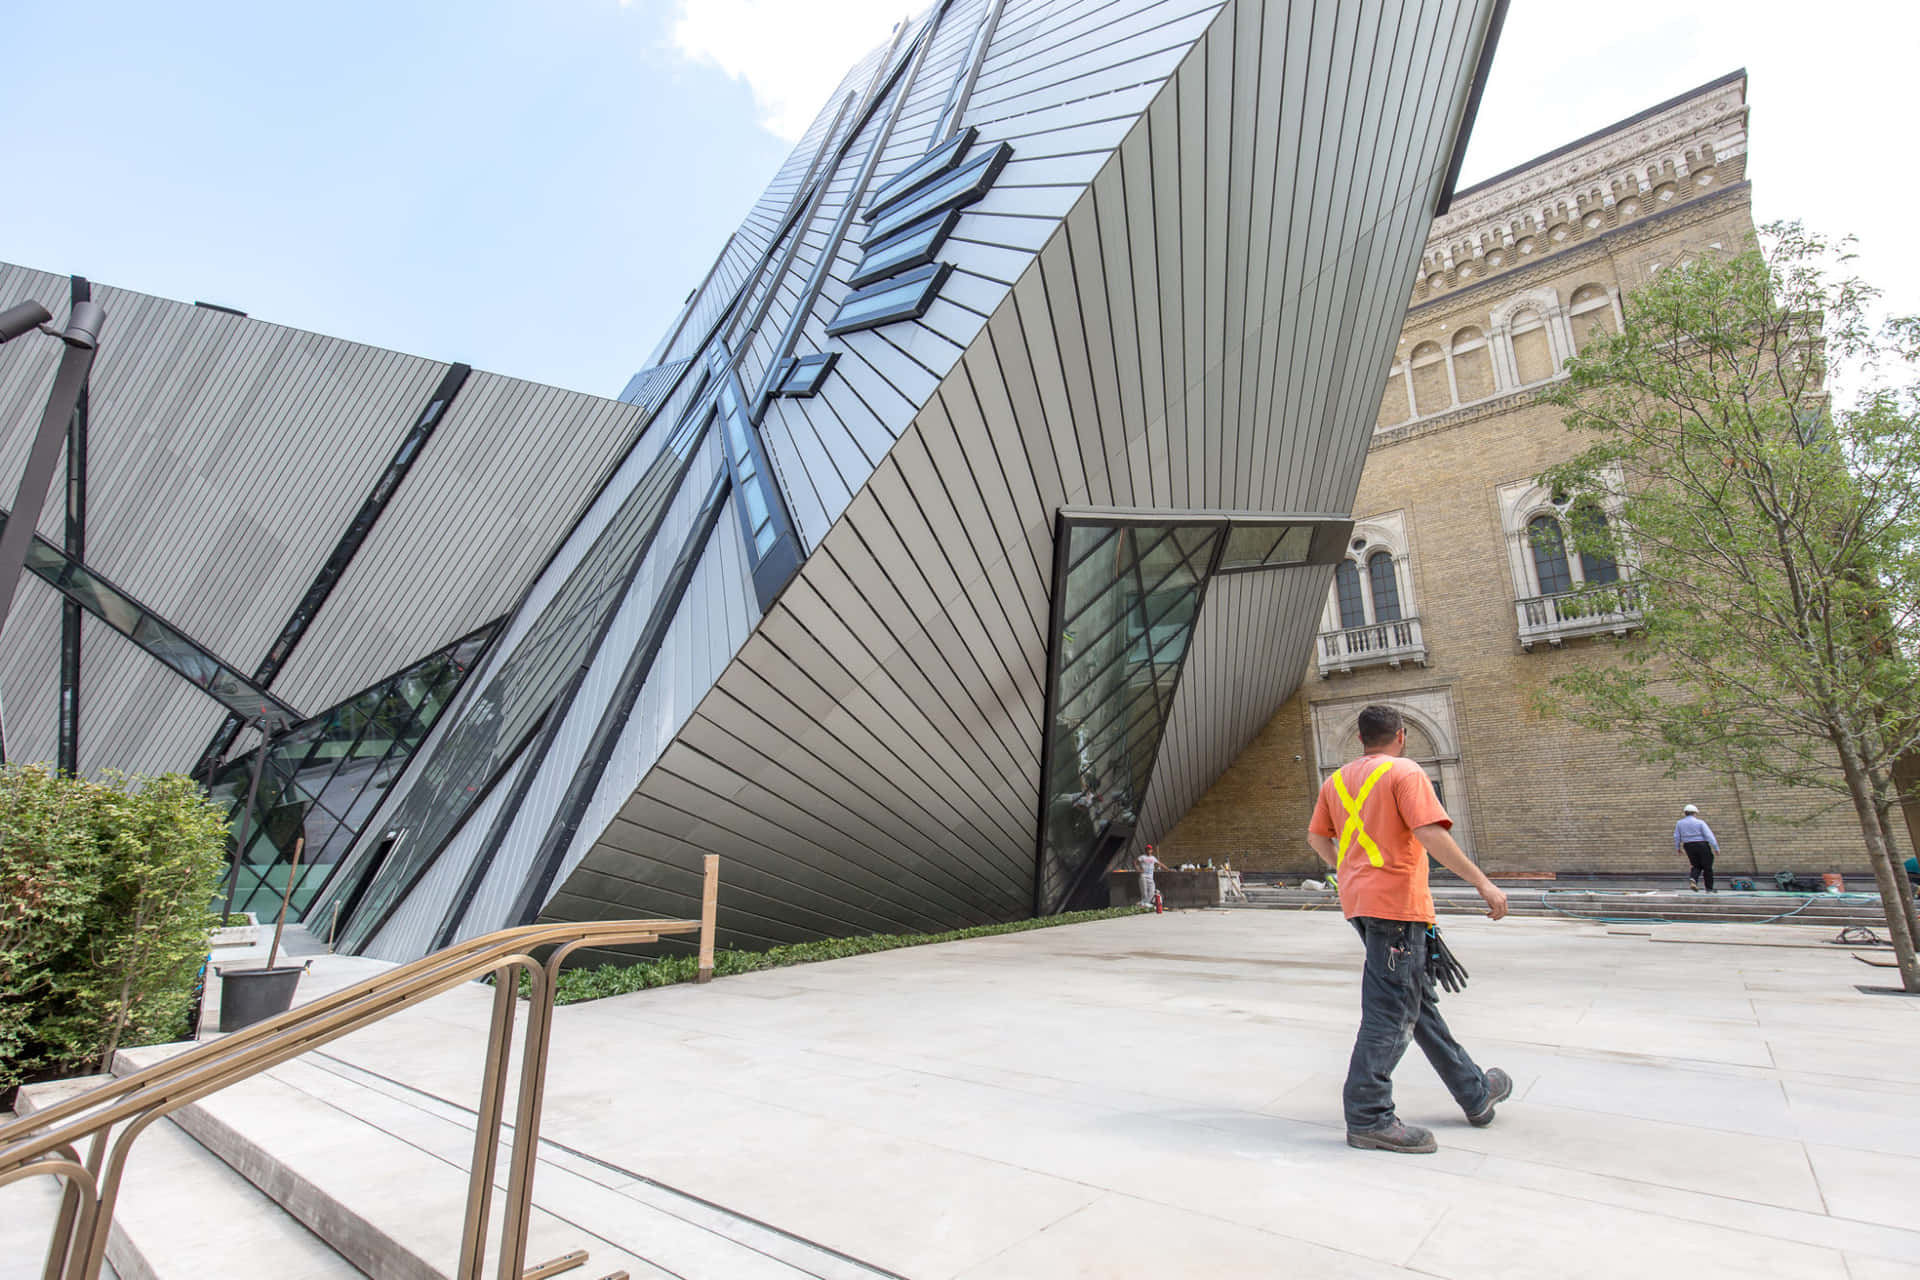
(48, 1141)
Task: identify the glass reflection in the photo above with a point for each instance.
(523, 688)
(323, 777)
(1130, 597)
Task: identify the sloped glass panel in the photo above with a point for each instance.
(1127, 596)
(323, 777)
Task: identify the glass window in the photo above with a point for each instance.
(805, 375)
(1549, 555)
(323, 777)
(904, 297)
(1128, 598)
(1596, 566)
(463, 761)
(1346, 581)
(913, 247)
(958, 189)
(1386, 591)
(922, 171)
(1248, 545)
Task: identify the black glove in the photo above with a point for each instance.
(1443, 970)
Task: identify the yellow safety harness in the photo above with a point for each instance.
(1355, 829)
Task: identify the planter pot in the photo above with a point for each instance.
(248, 996)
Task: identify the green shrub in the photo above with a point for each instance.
(104, 915)
(576, 985)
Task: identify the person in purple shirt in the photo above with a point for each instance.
(1694, 838)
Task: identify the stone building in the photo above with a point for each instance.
(1453, 603)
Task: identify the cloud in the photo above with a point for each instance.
(791, 55)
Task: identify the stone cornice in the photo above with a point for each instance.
(1643, 146)
(1519, 278)
(1492, 407)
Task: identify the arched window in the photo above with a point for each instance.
(1589, 312)
(1549, 555)
(1353, 612)
(1386, 592)
(1394, 408)
(1430, 391)
(1532, 349)
(1597, 567)
(1472, 364)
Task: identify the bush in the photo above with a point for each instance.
(576, 985)
(105, 890)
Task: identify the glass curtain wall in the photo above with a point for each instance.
(1126, 595)
(323, 777)
(528, 684)
(1128, 602)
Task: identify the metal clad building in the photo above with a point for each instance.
(982, 509)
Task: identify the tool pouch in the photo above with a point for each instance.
(1443, 970)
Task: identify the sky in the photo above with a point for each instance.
(533, 186)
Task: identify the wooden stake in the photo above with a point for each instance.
(273, 952)
(709, 906)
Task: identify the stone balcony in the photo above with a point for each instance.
(1567, 615)
(1382, 644)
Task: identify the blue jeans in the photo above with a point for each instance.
(1398, 1004)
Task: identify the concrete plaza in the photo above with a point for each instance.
(1159, 1096)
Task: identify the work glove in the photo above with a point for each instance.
(1443, 970)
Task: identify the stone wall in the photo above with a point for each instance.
(1448, 488)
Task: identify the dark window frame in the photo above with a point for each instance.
(805, 375)
(914, 302)
(936, 163)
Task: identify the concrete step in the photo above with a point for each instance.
(380, 1171)
(182, 1214)
(1727, 906)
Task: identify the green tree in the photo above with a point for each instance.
(49, 881)
(1772, 537)
(105, 893)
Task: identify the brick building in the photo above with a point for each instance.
(1449, 606)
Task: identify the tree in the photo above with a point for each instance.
(104, 915)
(1773, 538)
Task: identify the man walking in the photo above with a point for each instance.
(1694, 837)
(1389, 820)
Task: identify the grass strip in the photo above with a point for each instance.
(577, 985)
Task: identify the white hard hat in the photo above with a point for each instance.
(1692, 808)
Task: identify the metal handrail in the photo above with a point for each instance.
(47, 1142)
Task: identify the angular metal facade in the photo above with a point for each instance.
(1131, 259)
(971, 517)
(233, 467)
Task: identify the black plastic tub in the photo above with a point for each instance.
(248, 996)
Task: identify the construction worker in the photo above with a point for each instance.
(1376, 820)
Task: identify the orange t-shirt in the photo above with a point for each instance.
(1383, 869)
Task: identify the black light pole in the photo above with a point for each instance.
(82, 338)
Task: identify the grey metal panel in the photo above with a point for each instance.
(413, 588)
(504, 880)
(207, 503)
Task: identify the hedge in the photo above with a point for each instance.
(577, 985)
(105, 896)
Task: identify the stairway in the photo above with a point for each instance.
(319, 1169)
(1835, 911)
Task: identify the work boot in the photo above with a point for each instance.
(1499, 1089)
(1395, 1135)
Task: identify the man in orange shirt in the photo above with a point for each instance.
(1375, 822)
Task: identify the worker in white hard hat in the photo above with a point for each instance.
(1694, 837)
